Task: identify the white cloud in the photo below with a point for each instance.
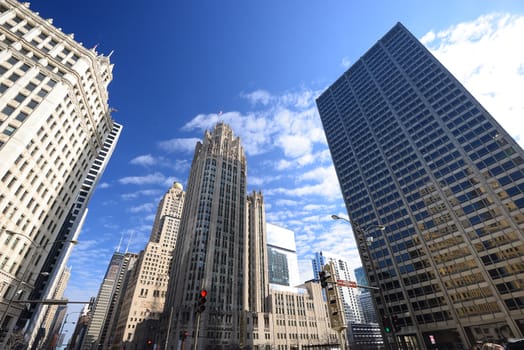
(288, 122)
(146, 207)
(137, 194)
(325, 184)
(151, 179)
(144, 160)
(487, 56)
(103, 185)
(185, 145)
(286, 202)
(259, 181)
(294, 145)
(346, 62)
(283, 164)
(258, 96)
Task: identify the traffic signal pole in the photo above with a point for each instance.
(201, 306)
(197, 328)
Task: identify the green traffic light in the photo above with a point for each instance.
(387, 330)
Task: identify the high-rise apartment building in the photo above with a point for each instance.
(211, 248)
(342, 271)
(146, 290)
(56, 136)
(415, 152)
(107, 301)
(282, 256)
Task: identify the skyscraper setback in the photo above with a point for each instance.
(414, 151)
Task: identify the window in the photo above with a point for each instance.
(30, 86)
(21, 116)
(32, 104)
(8, 110)
(20, 98)
(9, 130)
(14, 77)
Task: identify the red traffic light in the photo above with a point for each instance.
(203, 293)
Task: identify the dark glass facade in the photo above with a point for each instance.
(414, 151)
(278, 268)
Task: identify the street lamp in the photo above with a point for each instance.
(363, 241)
(18, 290)
(61, 330)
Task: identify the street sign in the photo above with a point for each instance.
(350, 284)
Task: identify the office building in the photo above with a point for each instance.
(282, 256)
(365, 297)
(146, 290)
(368, 308)
(109, 294)
(297, 320)
(416, 152)
(55, 126)
(211, 248)
(360, 277)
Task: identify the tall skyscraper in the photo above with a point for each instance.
(282, 256)
(109, 294)
(415, 152)
(146, 290)
(211, 249)
(56, 137)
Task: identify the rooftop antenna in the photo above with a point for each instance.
(129, 241)
(120, 243)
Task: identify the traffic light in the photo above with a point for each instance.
(322, 275)
(325, 278)
(202, 301)
(396, 323)
(386, 324)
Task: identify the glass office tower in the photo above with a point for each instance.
(415, 152)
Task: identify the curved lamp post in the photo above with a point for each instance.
(64, 322)
(22, 280)
(364, 241)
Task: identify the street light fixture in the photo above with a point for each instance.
(18, 290)
(64, 322)
(364, 240)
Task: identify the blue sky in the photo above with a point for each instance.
(262, 63)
